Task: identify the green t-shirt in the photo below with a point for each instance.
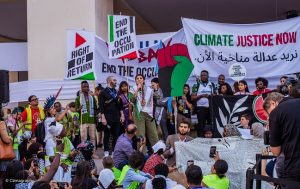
(86, 118)
(213, 181)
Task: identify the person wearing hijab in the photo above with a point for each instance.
(107, 179)
(258, 130)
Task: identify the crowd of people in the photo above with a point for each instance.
(55, 147)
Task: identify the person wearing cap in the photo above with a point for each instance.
(106, 179)
(156, 158)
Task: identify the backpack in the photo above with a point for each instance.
(40, 132)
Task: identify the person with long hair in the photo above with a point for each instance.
(261, 86)
(225, 89)
(184, 105)
(99, 125)
(124, 97)
(243, 88)
(143, 110)
(12, 170)
(7, 140)
(83, 179)
(160, 180)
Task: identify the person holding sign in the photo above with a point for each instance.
(143, 110)
(200, 93)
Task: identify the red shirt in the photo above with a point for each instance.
(35, 116)
(257, 92)
(154, 160)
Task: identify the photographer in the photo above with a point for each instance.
(284, 123)
(124, 146)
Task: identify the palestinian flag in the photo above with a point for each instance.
(175, 67)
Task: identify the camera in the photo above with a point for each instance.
(284, 89)
(267, 137)
(139, 139)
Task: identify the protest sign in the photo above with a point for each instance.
(122, 37)
(80, 55)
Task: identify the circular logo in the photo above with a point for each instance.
(237, 72)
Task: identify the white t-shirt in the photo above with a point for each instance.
(204, 89)
(148, 96)
(47, 123)
(49, 139)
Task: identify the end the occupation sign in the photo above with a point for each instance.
(122, 37)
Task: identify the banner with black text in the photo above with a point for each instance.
(263, 49)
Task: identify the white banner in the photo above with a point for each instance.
(121, 36)
(13, 56)
(124, 70)
(80, 55)
(265, 49)
(238, 153)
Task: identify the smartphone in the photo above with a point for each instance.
(212, 151)
(35, 160)
(190, 162)
(61, 184)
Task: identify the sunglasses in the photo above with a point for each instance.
(35, 99)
